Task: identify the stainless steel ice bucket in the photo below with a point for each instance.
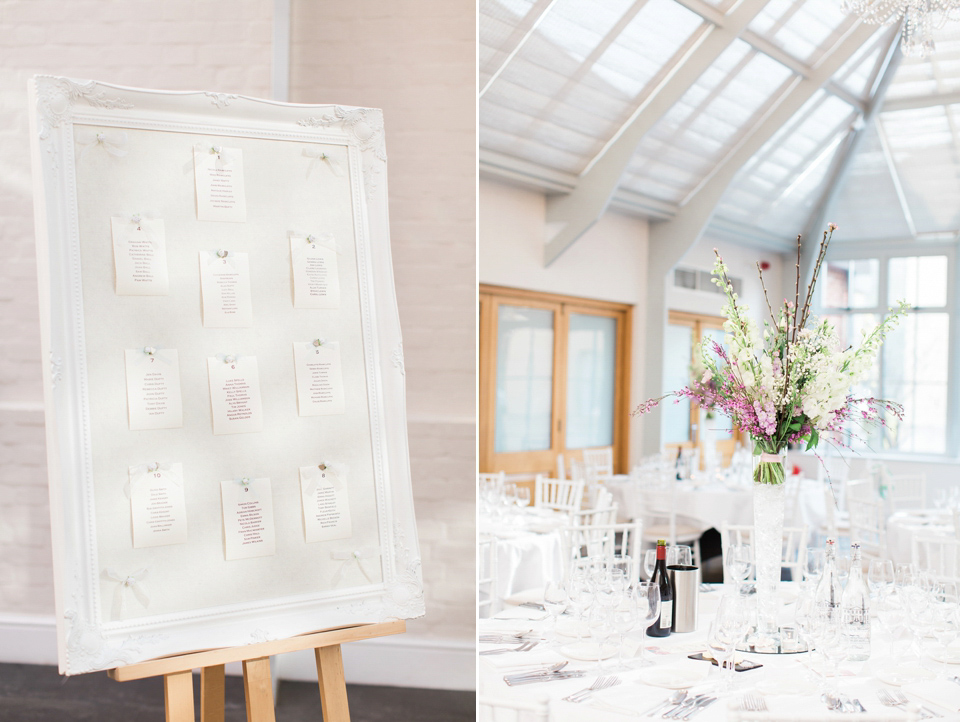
(686, 593)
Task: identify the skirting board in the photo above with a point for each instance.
(403, 661)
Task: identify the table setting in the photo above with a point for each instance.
(903, 526)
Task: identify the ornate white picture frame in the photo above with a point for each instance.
(99, 150)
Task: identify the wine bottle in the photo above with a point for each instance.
(855, 607)
(829, 590)
(661, 627)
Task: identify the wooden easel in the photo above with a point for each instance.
(177, 674)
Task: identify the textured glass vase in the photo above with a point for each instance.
(768, 503)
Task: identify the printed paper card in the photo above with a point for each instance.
(235, 394)
(140, 256)
(248, 528)
(225, 286)
(220, 192)
(319, 378)
(157, 505)
(153, 388)
(326, 510)
(316, 283)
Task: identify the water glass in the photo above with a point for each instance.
(738, 563)
(816, 559)
(880, 575)
(625, 617)
(649, 562)
(679, 555)
(647, 596)
(599, 622)
(555, 599)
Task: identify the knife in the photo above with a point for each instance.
(551, 677)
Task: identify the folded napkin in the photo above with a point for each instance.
(520, 661)
(527, 595)
(936, 691)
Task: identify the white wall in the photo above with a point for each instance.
(608, 263)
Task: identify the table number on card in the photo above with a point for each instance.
(319, 378)
(157, 505)
(316, 283)
(235, 394)
(153, 388)
(326, 510)
(140, 256)
(220, 188)
(225, 287)
(248, 528)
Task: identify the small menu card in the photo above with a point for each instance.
(248, 529)
(157, 505)
(153, 388)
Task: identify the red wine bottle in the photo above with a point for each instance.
(661, 627)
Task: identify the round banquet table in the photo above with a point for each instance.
(786, 682)
(903, 526)
(713, 503)
(529, 550)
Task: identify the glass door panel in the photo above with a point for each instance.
(678, 352)
(524, 380)
(591, 380)
(720, 427)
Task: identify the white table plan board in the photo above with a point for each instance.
(226, 424)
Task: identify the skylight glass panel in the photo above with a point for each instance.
(579, 26)
(933, 75)
(926, 152)
(710, 118)
(859, 72)
(502, 24)
(804, 29)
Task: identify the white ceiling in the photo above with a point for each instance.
(561, 79)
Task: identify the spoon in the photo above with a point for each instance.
(674, 699)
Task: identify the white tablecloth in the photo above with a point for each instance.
(903, 526)
(529, 551)
(858, 679)
(713, 504)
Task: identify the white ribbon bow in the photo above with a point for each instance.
(136, 219)
(152, 352)
(318, 156)
(327, 240)
(349, 558)
(112, 141)
(214, 149)
(315, 476)
(217, 259)
(141, 473)
(229, 358)
(131, 582)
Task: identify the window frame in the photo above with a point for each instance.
(533, 462)
(884, 251)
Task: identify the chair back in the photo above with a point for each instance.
(793, 551)
(558, 494)
(598, 462)
(603, 512)
(487, 593)
(497, 709)
(561, 468)
(498, 479)
(605, 541)
(868, 519)
(907, 492)
(939, 554)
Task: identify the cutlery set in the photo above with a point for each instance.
(525, 647)
(508, 638)
(753, 703)
(550, 674)
(842, 703)
(599, 684)
(690, 707)
(896, 698)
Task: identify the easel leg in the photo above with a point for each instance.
(211, 694)
(333, 687)
(178, 696)
(258, 690)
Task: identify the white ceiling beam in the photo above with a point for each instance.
(538, 12)
(574, 214)
(895, 177)
(669, 241)
(925, 101)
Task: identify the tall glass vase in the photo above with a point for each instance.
(768, 503)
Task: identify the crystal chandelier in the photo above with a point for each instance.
(920, 19)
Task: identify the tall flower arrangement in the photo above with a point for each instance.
(788, 382)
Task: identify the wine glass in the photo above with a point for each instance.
(620, 567)
(879, 575)
(679, 555)
(891, 612)
(833, 645)
(647, 597)
(945, 623)
(581, 599)
(727, 629)
(555, 599)
(816, 559)
(599, 621)
(843, 569)
(649, 563)
(738, 564)
(521, 497)
(625, 616)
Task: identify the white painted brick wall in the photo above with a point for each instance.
(150, 43)
(415, 59)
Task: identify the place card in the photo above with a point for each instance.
(319, 379)
(326, 510)
(225, 287)
(248, 528)
(157, 505)
(316, 283)
(140, 256)
(153, 388)
(220, 191)
(235, 394)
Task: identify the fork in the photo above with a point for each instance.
(753, 703)
(896, 698)
(525, 647)
(598, 684)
